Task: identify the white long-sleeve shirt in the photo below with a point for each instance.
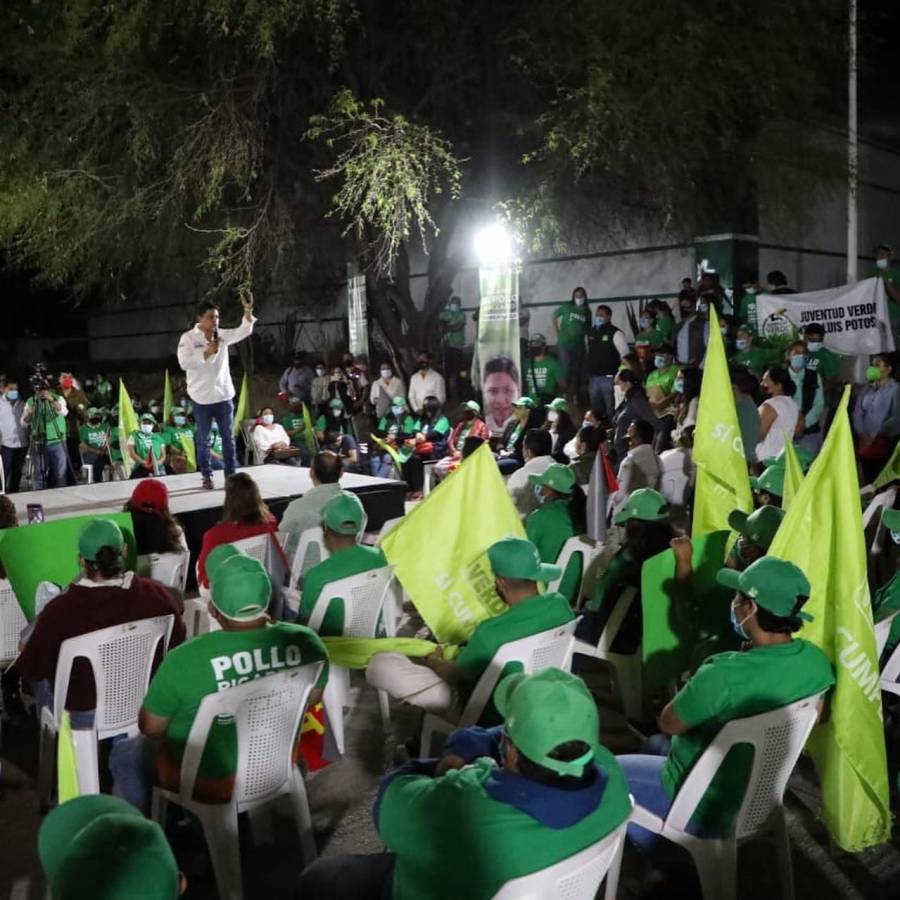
(264, 437)
(425, 384)
(209, 380)
(12, 432)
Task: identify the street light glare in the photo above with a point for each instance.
(494, 246)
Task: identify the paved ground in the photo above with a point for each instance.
(341, 798)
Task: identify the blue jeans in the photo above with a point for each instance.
(381, 465)
(43, 698)
(223, 413)
(131, 764)
(54, 474)
(571, 359)
(600, 390)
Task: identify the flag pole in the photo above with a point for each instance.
(852, 148)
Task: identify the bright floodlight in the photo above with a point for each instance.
(494, 246)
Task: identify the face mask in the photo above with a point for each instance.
(600, 321)
(214, 426)
(579, 301)
(553, 416)
(739, 626)
(147, 428)
(702, 307)
(895, 537)
(723, 329)
(320, 372)
(397, 410)
(336, 413)
(179, 420)
(814, 346)
(65, 383)
(645, 324)
(882, 263)
(678, 386)
(659, 362)
(873, 373)
(268, 419)
(386, 374)
(585, 423)
(751, 291)
(454, 307)
(798, 363)
(155, 410)
(741, 343)
(538, 494)
(12, 396)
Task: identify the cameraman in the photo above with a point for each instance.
(47, 420)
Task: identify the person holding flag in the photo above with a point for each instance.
(147, 449)
(181, 442)
(203, 355)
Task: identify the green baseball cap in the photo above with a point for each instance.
(93, 411)
(525, 401)
(472, 406)
(560, 478)
(336, 403)
(771, 481)
(558, 404)
(148, 417)
(218, 556)
(760, 526)
(544, 710)
(518, 558)
(775, 585)
(890, 518)
(644, 504)
(241, 589)
(96, 534)
(343, 513)
(804, 457)
(537, 340)
(399, 401)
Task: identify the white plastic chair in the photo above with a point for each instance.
(890, 671)
(311, 550)
(881, 501)
(577, 878)
(121, 658)
(535, 653)
(267, 549)
(12, 621)
(267, 714)
(583, 547)
(170, 570)
(883, 632)
(247, 426)
(676, 477)
(196, 618)
(364, 597)
(778, 738)
(387, 526)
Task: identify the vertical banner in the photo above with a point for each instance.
(497, 346)
(168, 401)
(356, 316)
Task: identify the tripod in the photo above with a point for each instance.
(41, 421)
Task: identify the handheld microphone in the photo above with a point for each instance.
(215, 336)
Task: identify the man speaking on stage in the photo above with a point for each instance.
(203, 354)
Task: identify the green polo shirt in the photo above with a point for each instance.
(214, 662)
(332, 423)
(407, 424)
(665, 325)
(144, 442)
(548, 527)
(453, 327)
(343, 564)
(176, 435)
(543, 377)
(440, 426)
(573, 322)
(293, 421)
(735, 685)
(664, 379)
(746, 312)
(55, 429)
(825, 363)
(653, 337)
(539, 613)
(453, 839)
(756, 359)
(892, 276)
(94, 436)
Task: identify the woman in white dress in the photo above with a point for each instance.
(778, 413)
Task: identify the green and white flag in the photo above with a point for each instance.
(497, 345)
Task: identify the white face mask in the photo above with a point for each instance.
(179, 420)
(397, 410)
(386, 374)
(895, 537)
(320, 372)
(579, 301)
(147, 428)
(553, 416)
(814, 346)
(882, 263)
(268, 419)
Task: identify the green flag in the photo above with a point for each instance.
(389, 450)
(440, 548)
(243, 408)
(793, 474)
(822, 533)
(891, 472)
(128, 425)
(66, 762)
(190, 452)
(168, 402)
(355, 653)
(309, 433)
(723, 482)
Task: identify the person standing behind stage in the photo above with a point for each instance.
(203, 354)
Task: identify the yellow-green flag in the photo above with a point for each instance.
(793, 474)
(243, 408)
(891, 472)
(190, 452)
(723, 482)
(355, 653)
(389, 450)
(168, 401)
(66, 762)
(128, 424)
(440, 548)
(822, 533)
(309, 433)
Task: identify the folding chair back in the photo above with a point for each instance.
(576, 878)
(12, 621)
(250, 451)
(578, 548)
(676, 476)
(364, 597)
(311, 550)
(171, 569)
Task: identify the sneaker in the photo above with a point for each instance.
(207, 482)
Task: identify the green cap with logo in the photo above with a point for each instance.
(96, 534)
(558, 404)
(771, 481)
(560, 478)
(537, 340)
(241, 589)
(399, 401)
(644, 504)
(217, 557)
(890, 518)
(525, 401)
(544, 710)
(472, 406)
(148, 417)
(760, 526)
(774, 584)
(518, 558)
(804, 457)
(344, 514)
(101, 847)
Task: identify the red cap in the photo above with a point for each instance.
(150, 495)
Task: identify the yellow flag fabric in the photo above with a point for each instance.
(66, 762)
(389, 450)
(243, 408)
(891, 472)
(168, 401)
(355, 653)
(190, 452)
(723, 481)
(793, 474)
(822, 533)
(440, 548)
(128, 424)
(309, 433)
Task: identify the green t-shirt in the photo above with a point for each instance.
(825, 363)
(94, 436)
(351, 561)
(53, 427)
(407, 424)
(665, 325)
(332, 423)
(453, 840)
(664, 379)
(144, 442)
(746, 312)
(214, 662)
(539, 613)
(548, 527)
(892, 276)
(176, 435)
(293, 421)
(735, 685)
(756, 359)
(653, 337)
(441, 426)
(543, 377)
(573, 323)
(453, 327)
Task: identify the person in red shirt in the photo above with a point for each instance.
(244, 515)
(105, 595)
